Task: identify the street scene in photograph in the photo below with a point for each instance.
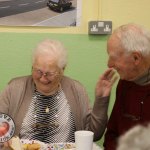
(38, 12)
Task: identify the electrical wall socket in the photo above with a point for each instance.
(100, 27)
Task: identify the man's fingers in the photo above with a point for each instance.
(114, 79)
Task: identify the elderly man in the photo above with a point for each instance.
(129, 53)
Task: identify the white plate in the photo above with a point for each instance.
(56, 146)
(68, 146)
(61, 146)
(26, 141)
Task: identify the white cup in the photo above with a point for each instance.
(84, 140)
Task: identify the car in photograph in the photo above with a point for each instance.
(59, 5)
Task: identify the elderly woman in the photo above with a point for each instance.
(48, 106)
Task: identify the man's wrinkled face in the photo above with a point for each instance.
(46, 75)
(122, 62)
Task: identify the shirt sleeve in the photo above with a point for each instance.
(94, 118)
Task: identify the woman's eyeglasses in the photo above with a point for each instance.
(48, 75)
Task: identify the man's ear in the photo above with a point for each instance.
(137, 57)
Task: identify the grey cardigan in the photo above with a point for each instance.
(16, 98)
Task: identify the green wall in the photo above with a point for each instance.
(87, 57)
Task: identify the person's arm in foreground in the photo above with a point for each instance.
(97, 120)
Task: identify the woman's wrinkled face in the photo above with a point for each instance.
(46, 75)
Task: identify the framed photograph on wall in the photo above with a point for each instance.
(49, 13)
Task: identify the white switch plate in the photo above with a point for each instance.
(100, 27)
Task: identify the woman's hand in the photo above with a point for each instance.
(105, 83)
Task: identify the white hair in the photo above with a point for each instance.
(52, 48)
(134, 37)
(137, 138)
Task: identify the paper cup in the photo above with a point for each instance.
(84, 140)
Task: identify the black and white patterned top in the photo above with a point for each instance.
(49, 119)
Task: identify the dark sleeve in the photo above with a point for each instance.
(111, 135)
